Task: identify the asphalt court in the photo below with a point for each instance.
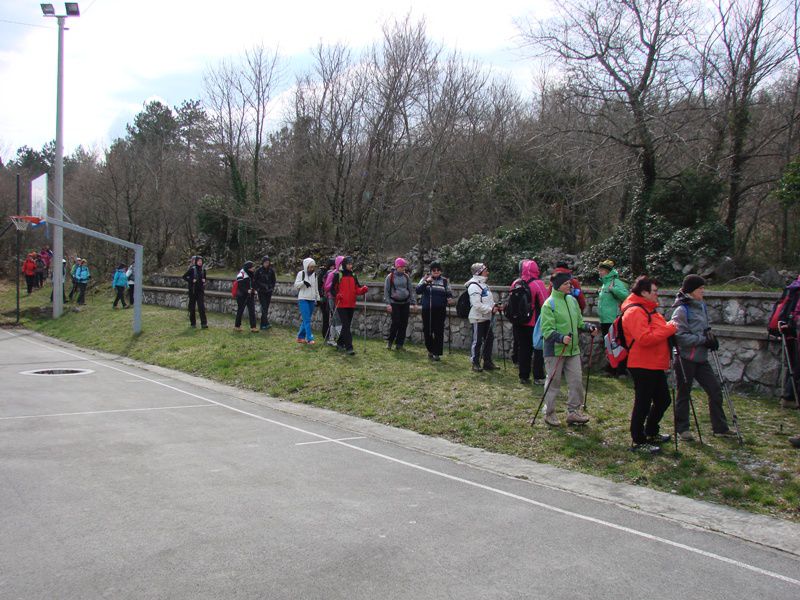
(127, 484)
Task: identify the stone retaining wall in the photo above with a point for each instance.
(748, 360)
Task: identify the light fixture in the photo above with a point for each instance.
(72, 9)
(48, 10)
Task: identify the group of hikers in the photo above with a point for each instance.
(37, 269)
(546, 331)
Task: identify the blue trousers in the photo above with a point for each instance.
(306, 311)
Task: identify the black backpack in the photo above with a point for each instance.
(463, 305)
(520, 306)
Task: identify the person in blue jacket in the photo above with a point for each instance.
(436, 295)
(120, 284)
(81, 278)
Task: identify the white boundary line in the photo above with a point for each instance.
(328, 441)
(103, 412)
(481, 486)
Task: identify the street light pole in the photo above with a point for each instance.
(58, 209)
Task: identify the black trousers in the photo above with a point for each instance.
(31, 282)
(482, 342)
(326, 317)
(242, 302)
(622, 366)
(75, 289)
(81, 292)
(650, 403)
(433, 329)
(704, 375)
(130, 294)
(197, 300)
(794, 363)
(397, 330)
(120, 296)
(264, 299)
(523, 340)
(346, 336)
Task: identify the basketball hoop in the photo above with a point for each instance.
(22, 222)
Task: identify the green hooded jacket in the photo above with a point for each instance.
(561, 316)
(611, 294)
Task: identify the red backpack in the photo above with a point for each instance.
(783, 311)
(617, 346)
(235, 288)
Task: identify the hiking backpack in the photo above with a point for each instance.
(463, 305)
(617, 347)
(520, 306)
(538, 342)
(782, 311)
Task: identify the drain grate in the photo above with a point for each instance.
(58, 372)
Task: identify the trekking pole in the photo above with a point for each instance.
(674, 392)
(691, 402)
(549, 383)
(727, 396)
(503, 339)
(365, 323)
(786, 355)
(449, 331)
(588, 371)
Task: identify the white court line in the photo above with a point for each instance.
(329, 441)
(549, 507)
(102, 412)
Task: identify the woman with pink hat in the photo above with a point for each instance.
(398, 296)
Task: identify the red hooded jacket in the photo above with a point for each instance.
(648, 347)
(347, 289)
(29, 267)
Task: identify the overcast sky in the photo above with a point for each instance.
(118, 55)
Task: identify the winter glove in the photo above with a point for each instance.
(305, 283)
(712, 343)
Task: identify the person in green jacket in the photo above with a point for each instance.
(611, 294)
(561, 323)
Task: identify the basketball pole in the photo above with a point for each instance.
(58, 209)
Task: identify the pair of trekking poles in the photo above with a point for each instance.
(786, 360)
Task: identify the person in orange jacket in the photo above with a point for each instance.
(647, 334)
(29, 270)
(347, 289)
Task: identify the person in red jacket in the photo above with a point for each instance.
(347, 289)
(647, 334)
(29, 270)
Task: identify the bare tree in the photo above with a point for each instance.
(619, 53)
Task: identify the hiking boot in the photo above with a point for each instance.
(476, 367)
(795, 441)
(203, 326)
(192, 325)
(389, 346)
(351, 352)
(490, 366)
(437, 358)
(263, 328)
(431, 357)
(552, 420)
(539, 381)
(237, 329)
(301, 341)
(788, 403)
(659, 438)
(646, 449)
(400, 348)
(524, 381)
(577, 418)
(253, 330)
(311, 342)
(728, 433)
(268, 325)
(686, 436)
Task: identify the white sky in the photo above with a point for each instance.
(120, 54)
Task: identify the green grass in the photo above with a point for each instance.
(487, 410)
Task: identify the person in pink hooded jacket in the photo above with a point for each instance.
(335, 325)
(527, 356)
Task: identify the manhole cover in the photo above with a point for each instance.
(58, 372)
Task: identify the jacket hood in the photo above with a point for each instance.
(477, 279)
(530, 270)
(795, 284)
(612, 274)
(684, 298)
(248, 265)
(634, 299)
(338, 262)
(307, 262)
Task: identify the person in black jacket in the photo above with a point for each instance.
(196, 278)
(323, 303)
(245, 296)
(264, 282)
(436, 295)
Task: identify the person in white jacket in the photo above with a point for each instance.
(481, 315)
(307, 297)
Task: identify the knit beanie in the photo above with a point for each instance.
(264, 259)
(559, 279)
(436, 265)
(477, 268)
(400, 262)
(691, 283)
(607, 264)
